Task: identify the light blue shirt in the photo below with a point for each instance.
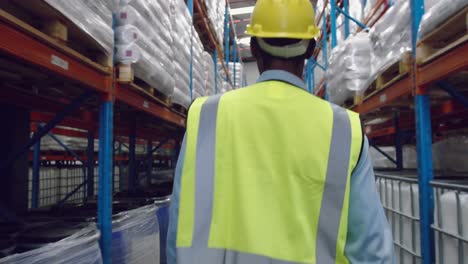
(369, 238)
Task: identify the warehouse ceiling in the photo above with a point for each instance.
(241, 11)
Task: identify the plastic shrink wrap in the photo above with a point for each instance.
(349, 67)
(182, 29)
(135, 237)
(89, 20)
(208, 66)
(438, 12)
(80, 248)
(216, 13)
(239, 70)
(446, 214)
(390, 38)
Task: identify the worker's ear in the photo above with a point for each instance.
(310, 49)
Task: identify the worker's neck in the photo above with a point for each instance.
(286, 66)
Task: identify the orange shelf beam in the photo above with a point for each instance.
(124, 94)
(29, 49)
(443, 66)
(386, 96)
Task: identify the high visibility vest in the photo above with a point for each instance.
(266, 178)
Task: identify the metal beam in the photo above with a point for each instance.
(35, 175)
(453, 92)
(69, 109)
(383, 153)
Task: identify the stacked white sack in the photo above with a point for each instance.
(143, 39)
(209, 73)
(438, 12)
(216, 14)
(349, 68)
(181, 33)
(198, 67)
(236, 75)
(390, 37)
(92, 18)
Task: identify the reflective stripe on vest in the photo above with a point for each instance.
(199, 243)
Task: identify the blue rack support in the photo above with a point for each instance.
(132, 156)
(149, 159)
(105, 178)
(226, 37)
(333, 23)
(90, 164)
(424, 146)
(215, 62)
(234, 65)
(347, 17)
(398, 142)
(324, 50)
(36, 175)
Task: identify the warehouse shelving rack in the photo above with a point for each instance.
(91, 100)
(413, 112)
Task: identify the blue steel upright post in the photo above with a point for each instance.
(324, 51)
(215, 62)
(90, 165)
(333, 23)
(106, 149)
(36, 175)
(424, 146)
(234, 63)
(190, 8)
(226, 37)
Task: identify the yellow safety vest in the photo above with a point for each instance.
(266, 178)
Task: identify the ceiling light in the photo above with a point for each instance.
(242, 10)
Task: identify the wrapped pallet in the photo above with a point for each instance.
(92, 17)
(144, 41)
(135, 236)
(349, 68)
(390, 38)
(438, 12)
(239, 69)
(80, 248)
(182, 30)
(209, 73)
(216, 14)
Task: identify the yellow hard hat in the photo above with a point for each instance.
(293, 19)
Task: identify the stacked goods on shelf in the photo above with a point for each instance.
(93, 17)
(80, 247)
(443, 26)
(216, 14)
(209, 73)
(349, 68)
(237, 80)
(182, 29)
(400, 199)
(391, 42)
(198, 69)
(449, 156)
(450, 216)
(438, 12)
(144, 41)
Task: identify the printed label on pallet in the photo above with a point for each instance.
(59, 62)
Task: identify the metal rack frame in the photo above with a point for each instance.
(418, 124)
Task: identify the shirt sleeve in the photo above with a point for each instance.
(369, 237)
(174, 208)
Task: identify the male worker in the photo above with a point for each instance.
(272, 174)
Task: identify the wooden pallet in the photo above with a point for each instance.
(395, 72)
(444, 38)
(179, 109)
(125, 75)
(43, 22)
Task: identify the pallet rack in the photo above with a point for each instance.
(93, 101)
(414, 111)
